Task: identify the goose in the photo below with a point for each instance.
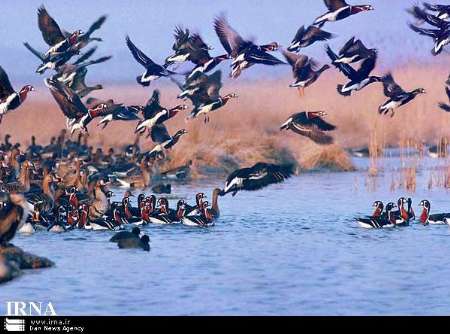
(339, 10)
(386, 220)
(353, 51)
(436, 219)
(164, 215)
(308, 36)
(305, 70)
(9, 98)
(243, 52)
(311, 125)
(256, 177)
(444, 106)
(110, 111)
(153, 71)
(358, 79)
(138, 243)
(443, 11)
(163, 140)
(14, 211)
(397, 96)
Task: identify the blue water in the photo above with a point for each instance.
(291, 249)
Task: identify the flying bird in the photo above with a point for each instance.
(257, 177)
(339, 10)
(311, 125)
(308, 36)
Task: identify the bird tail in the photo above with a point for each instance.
(340, 91)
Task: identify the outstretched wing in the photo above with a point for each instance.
(425, 32)
(367, 66)
(50, 30)
(391, 88)
(346, 69)
(96, 25)
(334, 5)
(138, 55)
(6, 88)
(229, 38)
(69, 102)
(159, 134)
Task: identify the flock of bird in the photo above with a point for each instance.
(64, 185)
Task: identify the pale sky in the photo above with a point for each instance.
(150, 24)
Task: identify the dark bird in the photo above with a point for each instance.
(153, 71)
(9, 98)
(14, 211)
(397, 96)
(69, 102)
(110, 111)
(164, 141)
(138, 243)
(153, 113)
(243, 52)
(354, 51)
(257, 177)
(443, 11)
(304, 69)
(306, 37)
(427, 218)
(339, 10)
(122, 235)
(358, 79)
(441, 37)
(311, 125)
(445, 106)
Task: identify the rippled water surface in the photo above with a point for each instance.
(291, 249)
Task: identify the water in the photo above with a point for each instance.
(291, 249)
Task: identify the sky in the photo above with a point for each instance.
(150, 24)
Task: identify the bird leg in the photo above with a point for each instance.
(301, 91)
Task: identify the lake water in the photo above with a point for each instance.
(291, 249)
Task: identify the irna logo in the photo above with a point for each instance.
(18, 309)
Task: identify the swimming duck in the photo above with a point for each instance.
(311, 125)
(305, 70)
(135, 233)
(153, 71)
(387, 220)
(203, 219)
(358, 79)
(132, 214)
(339, 10)
(306, 37)
(445, 106)
(435, 219)
(140, 243)
(9, 98)
(406, 215)
(164, 215)
(397, 96)
(256, 177)
(14, 211)
(243, 52)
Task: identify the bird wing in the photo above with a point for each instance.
(391, 88)
(444, 107)
(312, 132)
(334, 5)
(153, 105)
(124, 113)
(426, 32)
(317, 33)
(198, 50)
(6, 88)
(299, 34)
(50, 30)
(69, 102)
(346, 69)
(294, 59)
(229, 38)
(447, 90)
(34, 51)
(422, 15)
(138, 55)
(261, 57)
(347, 46)
(323, 125)
(96, 25)
(367, 66)
(159, 134)
(181, 39)
(86, 55)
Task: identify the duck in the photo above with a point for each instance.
(163, 140)
(358, 79)
(311, 125)
(153, 113)
(436, 219)
(206, 97)
(9, 98)
(203, 219)
(141, 181)
(132, 214)
(443, 11)
(339, 10)
(111, 222)
(110, 111)
(244, 53)
(386, 220)
(100, 203)
(353, 51)
(444, 106)
(397, 96)
(406, 215)
(14, 211)
(122, 235)
(305, 70)
(153, 71)
(164, 215)
(256, 177)
(308, 36)
(441, 34)
(139, 243)
(178, 173)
